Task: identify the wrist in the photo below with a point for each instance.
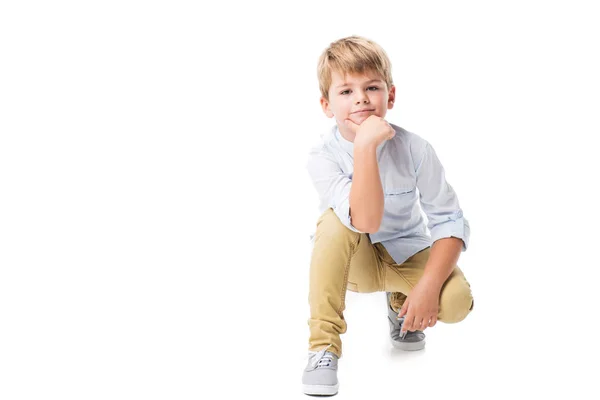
(364, 145)
(431, 281)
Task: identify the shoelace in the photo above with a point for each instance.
(319, 358)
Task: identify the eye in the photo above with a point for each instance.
(374, 87)
(344, 91)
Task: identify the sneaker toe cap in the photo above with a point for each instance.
(321, 376)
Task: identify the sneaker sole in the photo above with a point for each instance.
(322, 390)
(408, 346)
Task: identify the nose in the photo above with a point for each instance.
(361, 97)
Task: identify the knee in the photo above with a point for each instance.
(455, 305)
(329, 225)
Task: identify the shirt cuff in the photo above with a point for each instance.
(453, 228)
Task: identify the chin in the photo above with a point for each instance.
(361, 118)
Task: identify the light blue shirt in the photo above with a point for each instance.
(411, 174)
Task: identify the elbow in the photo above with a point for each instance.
(375, 228)
(376, 224)
(367, 224)
(371, 228)
(367, 229)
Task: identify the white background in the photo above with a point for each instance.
(155, 209)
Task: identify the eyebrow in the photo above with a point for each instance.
(347, 84)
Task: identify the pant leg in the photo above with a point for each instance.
(337, 251)
(456, 299)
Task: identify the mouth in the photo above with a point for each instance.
(359, 112)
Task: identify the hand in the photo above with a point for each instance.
(373, 130)
(420, 309)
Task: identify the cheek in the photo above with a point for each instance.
(346, 107)
(382, 98)
(343, 107)
(340, 109)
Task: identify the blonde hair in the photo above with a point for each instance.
(354, 55)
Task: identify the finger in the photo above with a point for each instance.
(420, 324)
(408, 323)
(433, 321)
(391, 132)
(403, 310)
(426, 322)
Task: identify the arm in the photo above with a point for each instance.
(421, 307)
(442, 259)
(366, 195)
(332, 184)
(450, 231)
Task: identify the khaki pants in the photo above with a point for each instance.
(346, 260)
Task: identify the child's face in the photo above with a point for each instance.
(351, 93)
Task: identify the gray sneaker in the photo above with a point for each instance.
(320, 374)
(409, 340)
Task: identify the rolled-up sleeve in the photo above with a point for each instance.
(332, 184)
(439, 201)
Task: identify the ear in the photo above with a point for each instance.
(391, 97)
(326, 108)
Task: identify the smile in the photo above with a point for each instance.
(362, 111)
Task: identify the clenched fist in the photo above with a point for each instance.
(372, 131)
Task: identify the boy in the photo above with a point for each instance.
(371, 235)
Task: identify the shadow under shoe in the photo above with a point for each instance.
(410, 341)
